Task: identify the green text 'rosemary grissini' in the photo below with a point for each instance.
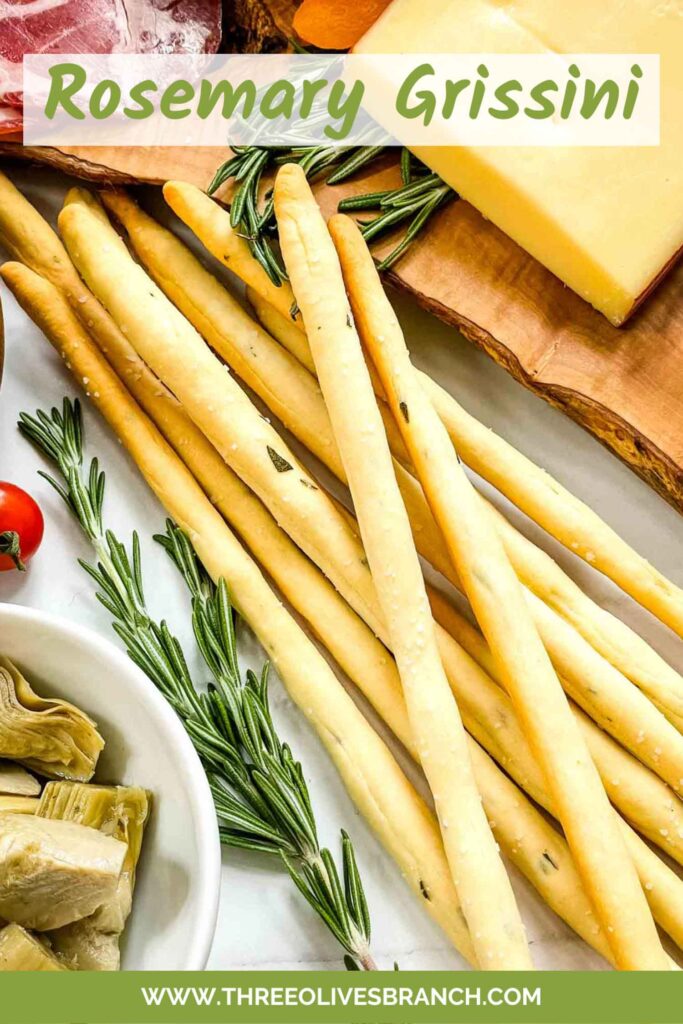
(261, 797)
(420, 194)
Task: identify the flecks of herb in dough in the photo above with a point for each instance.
(425, 891)
(307, 483)
(547, 863)
(349, 321)
(404, 411)
(281, 465)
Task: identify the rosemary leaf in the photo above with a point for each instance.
(419, 196)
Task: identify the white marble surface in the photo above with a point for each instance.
(263, 922)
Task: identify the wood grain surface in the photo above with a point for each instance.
(624, 385)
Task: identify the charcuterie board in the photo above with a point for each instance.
(624, 385)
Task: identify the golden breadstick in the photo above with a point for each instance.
(294, 396)
(592, 680)
(282, 328)
(610, 637)
(573, 523)
(552, 506)
(523, 834)
(220, 319)
(497, 598)
(382, 793)
(638, 792)
(216, 403)
(273, 374)
(211, 224)
(190, 440)
(30, 239)
(537, 850)
(641, 796)
(251, 354)
(483, 887)
(662, 828)
(520, 829)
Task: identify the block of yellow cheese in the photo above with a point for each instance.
(608, 221)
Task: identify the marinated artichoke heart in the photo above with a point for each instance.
(54, 872)
(16, 781)
(21, 951)
(18, 804)
(118, 811)
(51, 736)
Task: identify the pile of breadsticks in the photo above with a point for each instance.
(552, 708)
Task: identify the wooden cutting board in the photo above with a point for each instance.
(623, 385)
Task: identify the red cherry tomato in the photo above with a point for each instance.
(21, 527)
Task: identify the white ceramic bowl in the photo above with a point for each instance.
(176, 896)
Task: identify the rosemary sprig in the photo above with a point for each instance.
(260, 794)
(419, 197)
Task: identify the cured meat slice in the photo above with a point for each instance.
(97, 26)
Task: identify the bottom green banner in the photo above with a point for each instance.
(410, 997)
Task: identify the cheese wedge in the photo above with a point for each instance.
(607, 221)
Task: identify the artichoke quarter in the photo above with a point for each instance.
(84, 946)
(55, 872)
(21, 951)
(50, 736)
(92, 944)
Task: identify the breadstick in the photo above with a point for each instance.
(613, 639)
(638, 792)
(30, 239)
(477, 702)
(273, 374)
(523, 834)
(211, 224)
(217, 404)
(555, 869)
(552, 506)
(593, 681)
(293, 395)
(483, 887)
(641, 796)
(282, 328)
(497, 598)
(565, 517)
(402, 821)
(171, 402)
(169, 260)
(221, 320)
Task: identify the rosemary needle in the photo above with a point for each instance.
(420, 195)
(259, 790)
